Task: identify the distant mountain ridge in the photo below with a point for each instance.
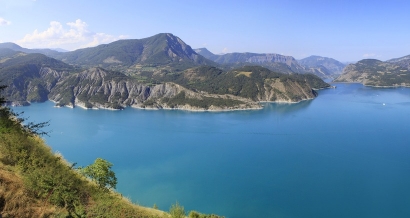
(320, 66)
(15, 47)
(160, 50)
(332, 65)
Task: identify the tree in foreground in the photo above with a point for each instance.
(101, 173)
(177, 211)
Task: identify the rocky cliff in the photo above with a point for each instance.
(99, 88)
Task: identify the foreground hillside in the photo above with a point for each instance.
(34, 182)
(373, 72)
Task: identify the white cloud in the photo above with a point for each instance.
(371, 55)
(225, 50)
(4, 22)
(75, 35)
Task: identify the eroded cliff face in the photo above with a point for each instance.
(98, 88)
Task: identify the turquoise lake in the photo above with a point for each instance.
(344, 154)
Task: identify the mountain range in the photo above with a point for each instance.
(160, 71)
(320, 66)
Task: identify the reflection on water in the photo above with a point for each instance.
(286, 108)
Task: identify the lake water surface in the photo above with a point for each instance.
(344, 154)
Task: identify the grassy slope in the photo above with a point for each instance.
(34, 182)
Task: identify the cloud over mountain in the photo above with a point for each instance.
(72, 36)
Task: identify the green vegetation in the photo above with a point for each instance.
(204, 102)
(194, 214)
(101, 173)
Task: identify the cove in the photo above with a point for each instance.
(344, 154)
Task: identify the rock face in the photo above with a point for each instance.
(99, 88)
(373, 72)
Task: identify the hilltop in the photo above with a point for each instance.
(162, 50)
(374, 72)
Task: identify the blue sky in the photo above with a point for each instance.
(344, 30)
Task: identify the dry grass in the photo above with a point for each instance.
(14, 201)
(247, 74)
